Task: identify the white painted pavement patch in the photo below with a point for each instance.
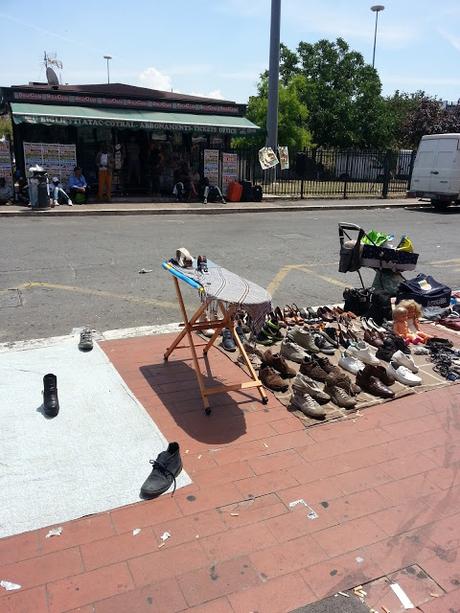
(92, 457)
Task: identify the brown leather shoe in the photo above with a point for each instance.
(339, 396)
(373, 385)
(313, 370)
(272, 379)
(373, 338)
(325, 364)
(344, 381)
(278, 363)
(380, 373)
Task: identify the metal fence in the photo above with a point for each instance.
(315, 173)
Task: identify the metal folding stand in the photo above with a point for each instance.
(193, 325)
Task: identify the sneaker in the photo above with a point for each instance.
(361, 351)
(227, 340)
(350, 363)
(86, 340)
(305, 385)
(307, 405)
(274, 330)
(403, 374)
(404, 360)
(323, 345)
(278, 363)
(339, 396)
(303, 338)
(313, 370)
(325, 364)
(165, 469)
(272, 379)
(292, 351)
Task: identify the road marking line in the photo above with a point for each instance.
(454, 261)
(98, 292)
(283, 272)
(279, 277)
(330, 280)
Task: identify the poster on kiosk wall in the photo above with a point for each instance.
(6, 170)
(57, 159)
(229, 169)
(211, 165)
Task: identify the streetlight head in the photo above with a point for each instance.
(377, 8)
(107, 57)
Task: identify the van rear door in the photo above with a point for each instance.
(445, 174)
(424, 165)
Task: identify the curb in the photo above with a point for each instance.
(207, 211)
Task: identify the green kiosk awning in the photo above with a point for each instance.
(50, 114)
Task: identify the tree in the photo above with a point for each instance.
(6, 129)
(343, 94)
(428, 116)
(292, 115)
(398, 108)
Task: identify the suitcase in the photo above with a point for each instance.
(247, 191)
(234, 191)
(257, 193)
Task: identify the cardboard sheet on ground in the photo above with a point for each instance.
(92, 457)
(430, 380)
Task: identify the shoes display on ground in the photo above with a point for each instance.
(404, 360)
(361, 351)
(278, 363)
(307, 405)
(343, 380)
(50, 395)
(373, 385)
(338, 395)
(303, 338)
(323, 345)
(350, 363)
(165, 469)
(311, 368)
(306, 385)
(380, 372)
(228, 342)
(403, 374)
(373, 338)
(271, 379)
(86, 340)
(292, 351)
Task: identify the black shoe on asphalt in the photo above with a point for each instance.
(227, 340)
(50, 397)
(165, 469)
(86, 340)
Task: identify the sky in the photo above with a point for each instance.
(218, 48)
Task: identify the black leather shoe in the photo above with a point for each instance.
(165, 469)
(50, 396)
(227, 340)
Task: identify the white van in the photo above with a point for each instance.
(436, 173)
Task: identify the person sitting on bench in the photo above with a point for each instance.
(211, 192)
(78, 187)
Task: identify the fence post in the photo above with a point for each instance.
(386, 174)
(345, 184)
(411, 168)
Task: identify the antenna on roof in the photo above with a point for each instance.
(50, 60)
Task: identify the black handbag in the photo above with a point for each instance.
(425, 290)
(357, 299)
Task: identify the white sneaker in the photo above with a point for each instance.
(403, 374)
(362, 351)
(69, 202)
(292, 351)
(403, 359)
(350, 363)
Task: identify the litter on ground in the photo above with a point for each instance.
(8, 585)
(136, 531)
(54, 532)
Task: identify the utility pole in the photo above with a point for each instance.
(273, 76)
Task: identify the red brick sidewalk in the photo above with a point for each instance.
(385, 486)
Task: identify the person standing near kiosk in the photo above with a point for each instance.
(104, 163)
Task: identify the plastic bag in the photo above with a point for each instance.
(376, 238)
(405, 244)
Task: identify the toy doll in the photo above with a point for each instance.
(400, 323)
(413, 315)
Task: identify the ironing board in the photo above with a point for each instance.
(231, 292)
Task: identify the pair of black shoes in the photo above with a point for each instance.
(165, 469)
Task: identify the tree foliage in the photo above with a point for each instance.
(6, 129)
(428, 116)
(292, 115)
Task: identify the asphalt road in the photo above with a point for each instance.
(57, 274)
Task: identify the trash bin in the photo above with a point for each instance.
(38, 188)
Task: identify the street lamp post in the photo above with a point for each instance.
(108, 58)
(376, 9)
(273, 75)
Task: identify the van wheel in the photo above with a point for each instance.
(439, 205)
